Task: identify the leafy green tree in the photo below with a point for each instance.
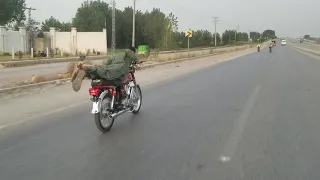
(33, 25)
(269, 34)
(306, 36)
(92, 16)
(255, 36)
(12, 13)
(53, 22)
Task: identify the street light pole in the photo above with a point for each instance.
(215, 20)
(133, 23)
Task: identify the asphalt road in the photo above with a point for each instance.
(256, 117)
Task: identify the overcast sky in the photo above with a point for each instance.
(287, 17)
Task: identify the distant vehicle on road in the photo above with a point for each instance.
(283, 42)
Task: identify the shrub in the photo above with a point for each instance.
(39, 54)
(40, 34)
(52, 53)
(6, 54)
(56, 51)
(20, 54)
(65, 54)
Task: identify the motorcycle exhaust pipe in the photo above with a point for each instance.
(119, 113)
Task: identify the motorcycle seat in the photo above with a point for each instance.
(105, 82)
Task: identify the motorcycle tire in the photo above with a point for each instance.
(97, 119)
(136, 111)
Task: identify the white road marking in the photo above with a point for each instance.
(238, 128)
(224, 159)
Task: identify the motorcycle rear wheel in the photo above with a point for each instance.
(137, 106)
(104, 115)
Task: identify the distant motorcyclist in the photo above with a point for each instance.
(258, 46)
(270, 46)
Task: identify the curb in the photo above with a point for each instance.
(10, 64)
(31, 86)
(42, 84)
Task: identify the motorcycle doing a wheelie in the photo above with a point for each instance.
(111, 101)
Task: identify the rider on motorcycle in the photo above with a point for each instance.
(114, 69)
(270, 46)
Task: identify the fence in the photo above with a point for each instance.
(14, 41)
(79, 42)
(71, 42)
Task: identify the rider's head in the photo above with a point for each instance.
(132, 49)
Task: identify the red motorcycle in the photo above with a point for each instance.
(112, 99)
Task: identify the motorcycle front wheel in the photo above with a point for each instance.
(103, 119)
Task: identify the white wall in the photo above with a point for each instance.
(63, 41)
(79, 41)
(9, 39)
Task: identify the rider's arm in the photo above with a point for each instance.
(132, 56)
(108, 61)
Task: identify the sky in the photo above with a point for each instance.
(291, 18)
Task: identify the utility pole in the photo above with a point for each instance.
(236, 33)
(215, 20)
(29, 15)
(113, 40)
(29, 27)
(133, 23)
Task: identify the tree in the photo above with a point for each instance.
(33, 25)
(12, 13)
(242, 37)
(228, 37)
(51, 22)
(269, 34)
(306, 36)
(255, 36)
(92, 16)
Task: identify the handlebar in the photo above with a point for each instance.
(140, 62)
(134, 66)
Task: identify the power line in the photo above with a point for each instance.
(215, 20)
(236, 32)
